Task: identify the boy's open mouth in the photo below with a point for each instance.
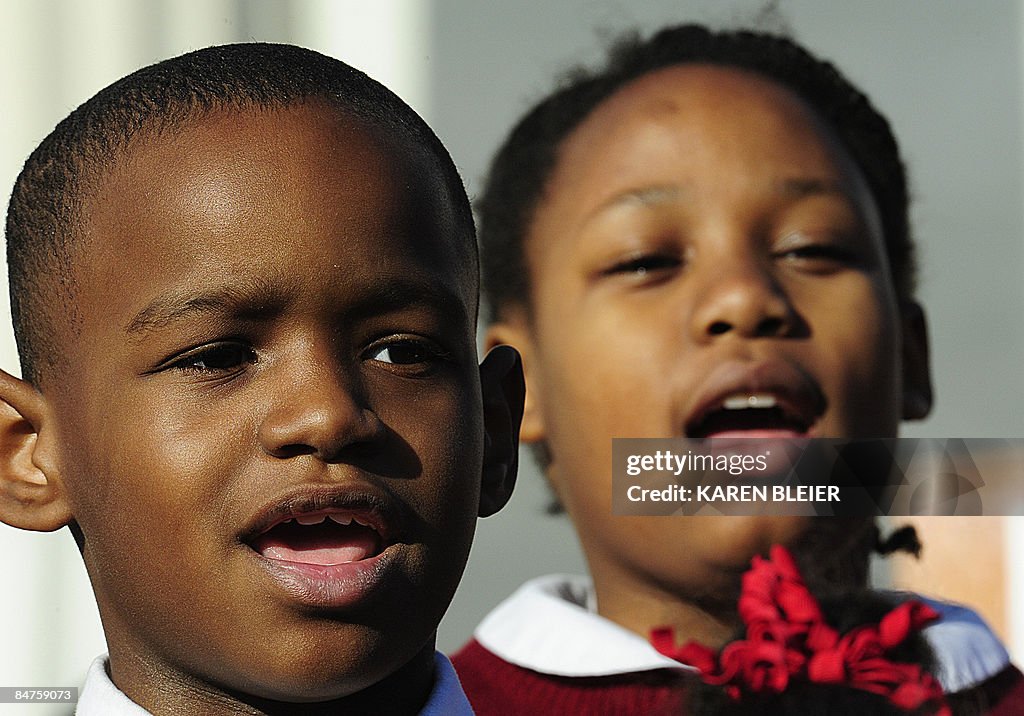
(326, 537)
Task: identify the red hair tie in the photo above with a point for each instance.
(787, 638)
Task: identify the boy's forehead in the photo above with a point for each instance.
(298, 171)
(273, 151)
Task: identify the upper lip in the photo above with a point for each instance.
(365, 503)
(797, 394)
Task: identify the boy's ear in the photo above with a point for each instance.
(501, 380)
(31, 495)
(515, 333)
(917, 370)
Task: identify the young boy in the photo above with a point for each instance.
(706, 238)
(244, 286)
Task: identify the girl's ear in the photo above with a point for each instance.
(31, 493)
(515, 333)
(917, 370)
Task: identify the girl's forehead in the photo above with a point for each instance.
(691, 129)
(708, 102)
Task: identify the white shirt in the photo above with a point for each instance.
(550, 625)
(99, 696)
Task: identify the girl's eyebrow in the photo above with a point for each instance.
(640, 196)
(800, 187)
(645, 196)
(659, 194)
(796, 186)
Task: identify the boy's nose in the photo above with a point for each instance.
(318, 414)
(743, 299)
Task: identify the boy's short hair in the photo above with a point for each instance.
(523, 165)
(45, 212)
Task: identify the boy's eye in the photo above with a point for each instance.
(222, 357)
(406, 352)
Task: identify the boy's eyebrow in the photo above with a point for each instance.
(392, 294)
(177, 304)
(257, 300)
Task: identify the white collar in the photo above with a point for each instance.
(99, 696)
(546, 626)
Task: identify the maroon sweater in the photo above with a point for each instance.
(498, 688)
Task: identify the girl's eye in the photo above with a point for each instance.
(405, 352)
(216, 358)
(644, 264)
(821, 257)
(825, 250)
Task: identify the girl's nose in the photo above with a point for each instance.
(746, 300)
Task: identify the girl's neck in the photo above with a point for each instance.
(640, 607)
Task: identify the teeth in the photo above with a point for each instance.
(341, 518)
(744, 402)
(310, 519)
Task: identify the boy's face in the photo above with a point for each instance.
(702, 237)
(276, 321)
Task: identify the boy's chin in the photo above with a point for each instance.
(324, 678)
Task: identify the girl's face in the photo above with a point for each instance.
(702, 236)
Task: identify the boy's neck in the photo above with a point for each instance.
(402, 693)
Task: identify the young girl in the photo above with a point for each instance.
(711, 220)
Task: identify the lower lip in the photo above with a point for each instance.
(756, 435)
(334, 586)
